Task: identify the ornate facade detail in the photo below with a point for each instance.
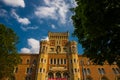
(58, 59)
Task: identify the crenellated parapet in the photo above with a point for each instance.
(58, 35)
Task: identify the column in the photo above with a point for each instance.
(54, 75)
(62, 75)
(59, 61)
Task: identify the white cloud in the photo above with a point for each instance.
(29, 28)
(15, 3)
(33, 46)
(53, 26)
(46, 12)
(53, 9)
(24, 21)
(25, 50)
(45, 38)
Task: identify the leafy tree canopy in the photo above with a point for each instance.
(8, 53)
(97, 26)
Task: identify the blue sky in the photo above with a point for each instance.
(32, 19)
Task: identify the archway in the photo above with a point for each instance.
(58, 75)
(65, 75)
(50, 75)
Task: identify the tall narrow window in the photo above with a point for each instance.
(43, 70)
(101, 71)
(27, 70)
(61, 61)
(40, 69)
(116, 70)
(71, 60)
(28, 61)
(64, 61)
(74, 60)
(75, 70)
(54, 61)
(88, 71)
(41, 60)
(84, 71)
(51, 61)
(44, 60)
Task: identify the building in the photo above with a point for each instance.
(58, 60)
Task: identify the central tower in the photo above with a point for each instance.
(58, 58)
(58, 42)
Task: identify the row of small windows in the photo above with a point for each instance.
(74, 60)
(116, 70)
(28, 70)
(57, 61)
(75, 70)
(28, 61)
(42, 70)
(86, 71)
(88, 62)
(59, 37)
(42, 60)
(101, 71)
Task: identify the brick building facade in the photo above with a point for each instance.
(58, 60)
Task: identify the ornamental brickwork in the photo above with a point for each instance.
(58, 59)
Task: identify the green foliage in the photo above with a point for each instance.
(97, 26)
(8, 53)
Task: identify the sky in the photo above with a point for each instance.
(33, 19)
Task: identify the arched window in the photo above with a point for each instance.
(41, 60)
(50, 75)
(64, 61)
(51, 61)
(58, 75)
(28, 61)
(65, 75)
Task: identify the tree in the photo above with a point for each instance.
(97, 26)
(8, 53)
